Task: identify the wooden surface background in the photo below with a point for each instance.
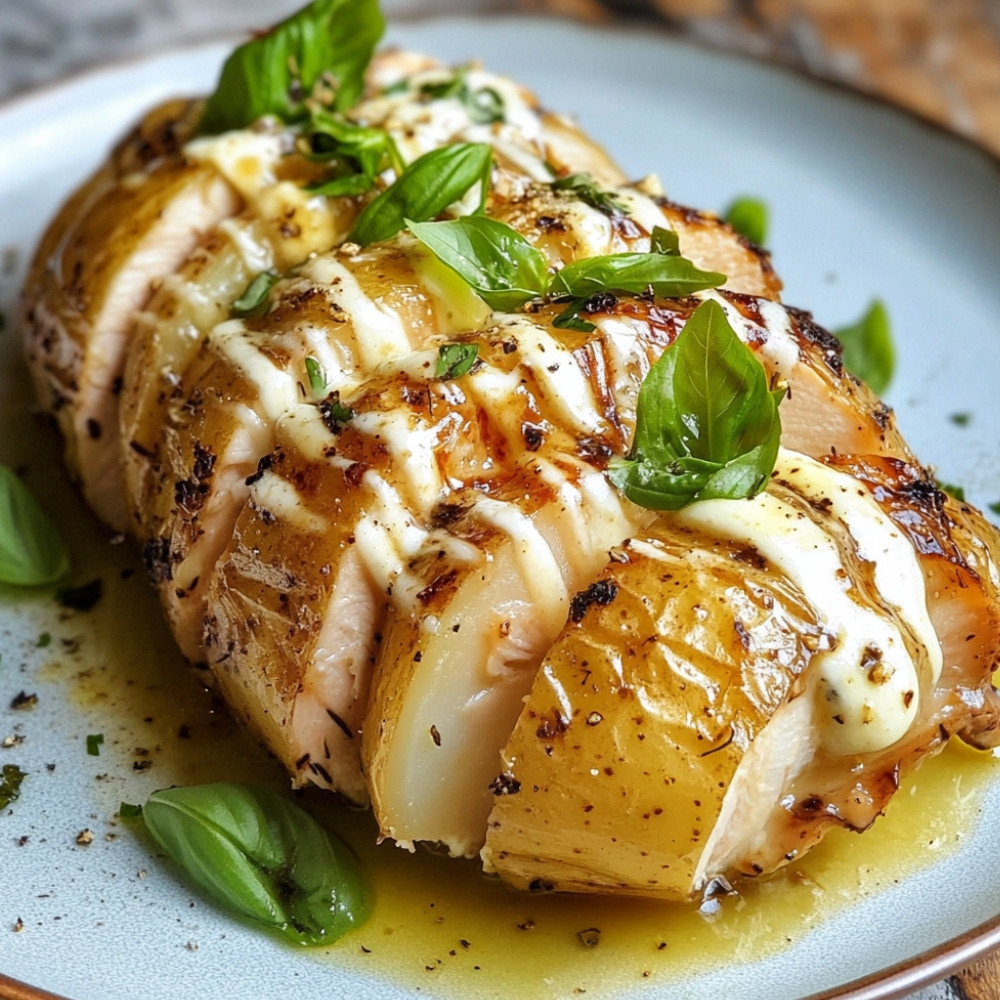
(941, 58)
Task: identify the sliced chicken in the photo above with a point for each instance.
(135, 221)
(506, 463)
(745, 676)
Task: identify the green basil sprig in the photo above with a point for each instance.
(31, 552)
(425, 189)
(262, 856)
(707, 424)
(503, 268)
(749, 217)
(275, 73)
(585, 188)
(506, 270)
(868, 349)
(357, 154)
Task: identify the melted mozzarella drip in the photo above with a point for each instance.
(379, 331)
(277, 391)
(866, 688)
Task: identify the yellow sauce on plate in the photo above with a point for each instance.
(439, 925)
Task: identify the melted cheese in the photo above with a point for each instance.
(866, 688)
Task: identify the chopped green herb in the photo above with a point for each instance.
(31, 552)
(343, 187)
(502, 267)
(707, 424)
(585, 188)
(664, 241)
(11, 777)
(483, 105)
(570, 319)
(253, 301)
(455, 360)
(316, 376)
(868, 350)
(356, 154)
(45, 639)
(262, 856)
(960, 419)
(334, 413)
(957, 492)
(128, 810)
(94, 741)
(749, 217)
(399, 87)
(428, 186)
(995, 507)
(327, 42)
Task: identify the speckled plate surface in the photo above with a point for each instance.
(865, 201)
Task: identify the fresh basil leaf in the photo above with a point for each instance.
(707, 424)
(455, 360)
(633, 274)
(749, 217)
(425, 189)
(31, 552)
(665, 241)
(254, 299)
(262, 856)
(585, 188)
(274, 73)
(868, 349)
(502, 267)
(316, 376)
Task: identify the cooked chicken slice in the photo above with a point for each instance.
(282, 225)
(347, 314)
(720, 698)
(132, 223)
(492, 461)
(567, 227)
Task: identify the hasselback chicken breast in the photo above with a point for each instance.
(498, 491)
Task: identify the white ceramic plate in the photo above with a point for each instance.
(865, 201)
